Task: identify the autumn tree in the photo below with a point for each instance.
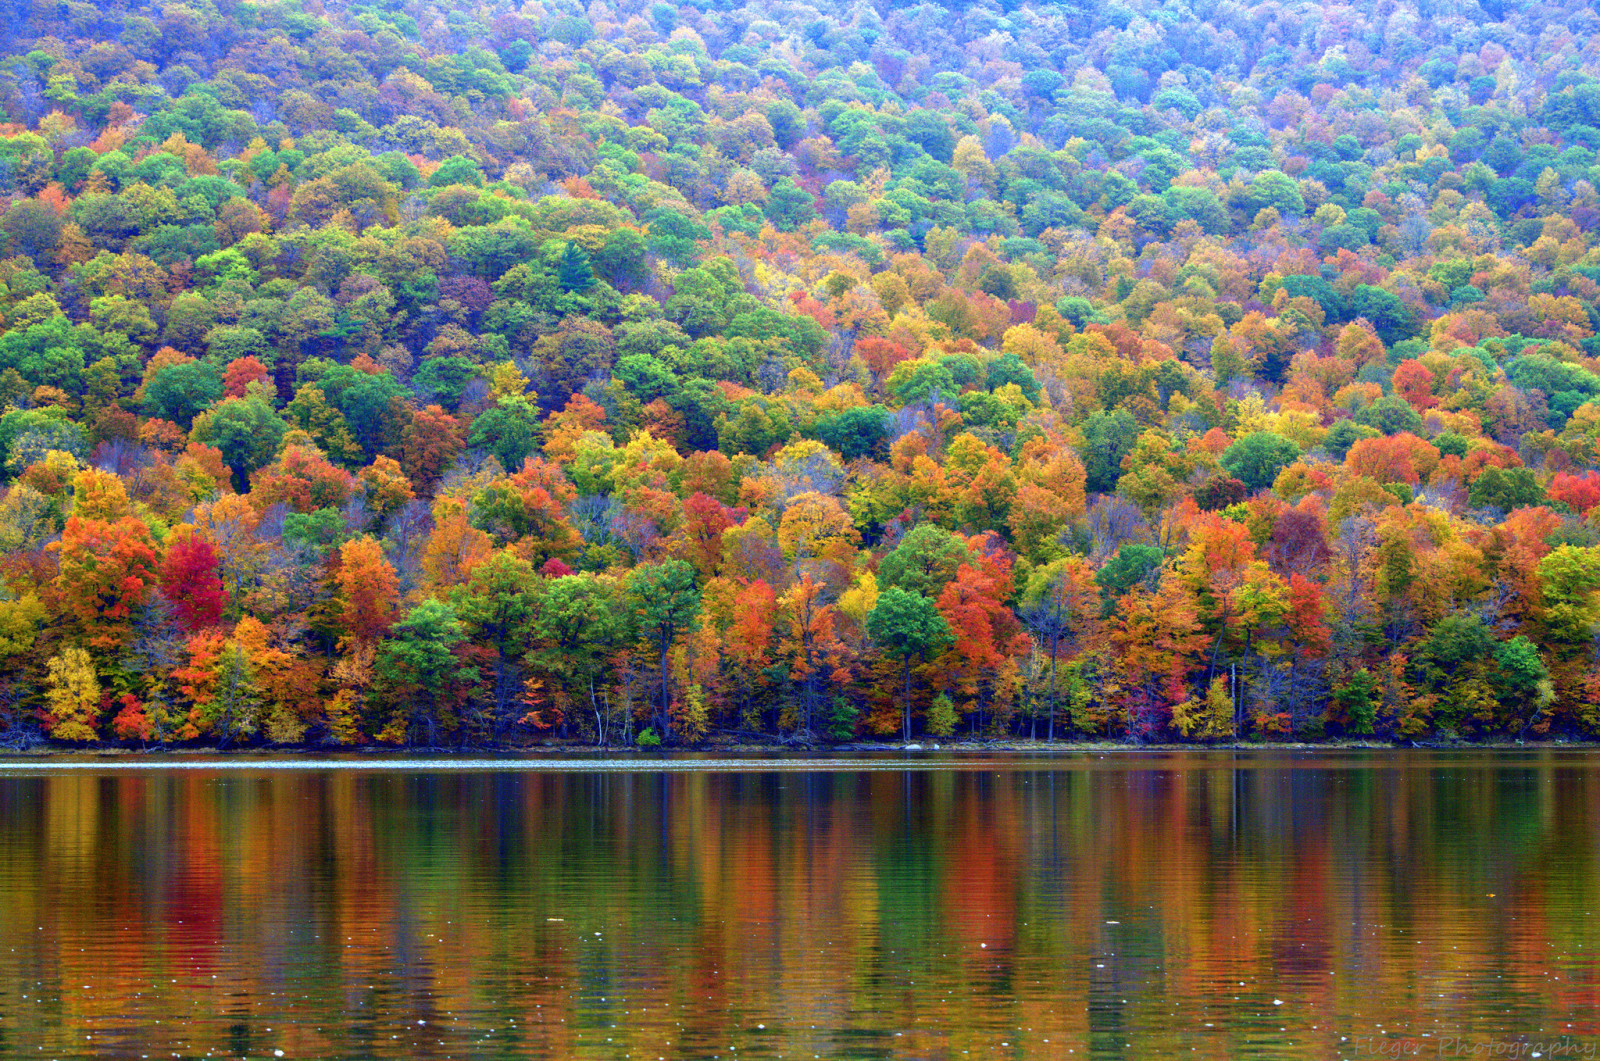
(73, 697)
(106, 562)
(190, 581)
(367, 591)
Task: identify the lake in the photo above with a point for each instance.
(1215, 905)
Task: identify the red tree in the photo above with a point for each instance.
(1579, 492)
(240, 374)
(190, 581)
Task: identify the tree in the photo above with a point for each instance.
(580, 623)
(510, 431)
(190, 581)
(908, 626)
(445, 378)
(234, 710)
(665, 602)
(1107, 438)
(367, 589)
(981, 628)
(529, 509)
(1569, 578)
(1389, 316)
(1235, 592)
(1133, 565)
(455, 547)
(420, 675)
(816, 653)
(1414, 383)
(73, 696)
(1523, 681)
(1505, 489)
(788, 207)
(246, 430)
(1256, 460)
(1058, 607)
(1580, 493)
(1391, 415)
(106, 567)
(189, 319)
(573, 271)
(496, 606)
(33, 228)
(925, 561)
(302, 479)
(1153, 642)
(242, 372)
(430, 441)
(457, 169)
(1275, 190)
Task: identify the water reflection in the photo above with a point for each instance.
(1257, 907)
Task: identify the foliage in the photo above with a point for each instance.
(502, 376)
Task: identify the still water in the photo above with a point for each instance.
(1213, 905)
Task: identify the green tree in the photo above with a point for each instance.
(497, 607)
(32, 228)
(247, 430)
(1390, 414)
(579, 626)
(856, 432)
(1132, 565)
(1389, 316)
(1505, 489)
(457, 169)
(1523, 681)
(1357, 702)
(181, 392)
(444, 377)
(907, 626)
(789, 206)
(1276, 190)
(574, 271)
(1256, 460)
(510, 431)
(925, 561)
(419, 674)
(1107, 438)
(666, 603)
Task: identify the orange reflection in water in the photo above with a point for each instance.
(1209, 905)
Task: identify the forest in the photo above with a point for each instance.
(448, 374)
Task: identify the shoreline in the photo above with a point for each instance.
(855, 751)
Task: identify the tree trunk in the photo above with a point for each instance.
(908, 700)
(666, 694)
(1050, 727)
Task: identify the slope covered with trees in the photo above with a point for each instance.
(416, 372)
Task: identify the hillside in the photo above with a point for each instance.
(416, 373)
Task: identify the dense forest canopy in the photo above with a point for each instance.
(407, 372)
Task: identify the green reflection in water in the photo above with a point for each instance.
(1113, 905)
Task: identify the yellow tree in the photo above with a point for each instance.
(73, 696)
